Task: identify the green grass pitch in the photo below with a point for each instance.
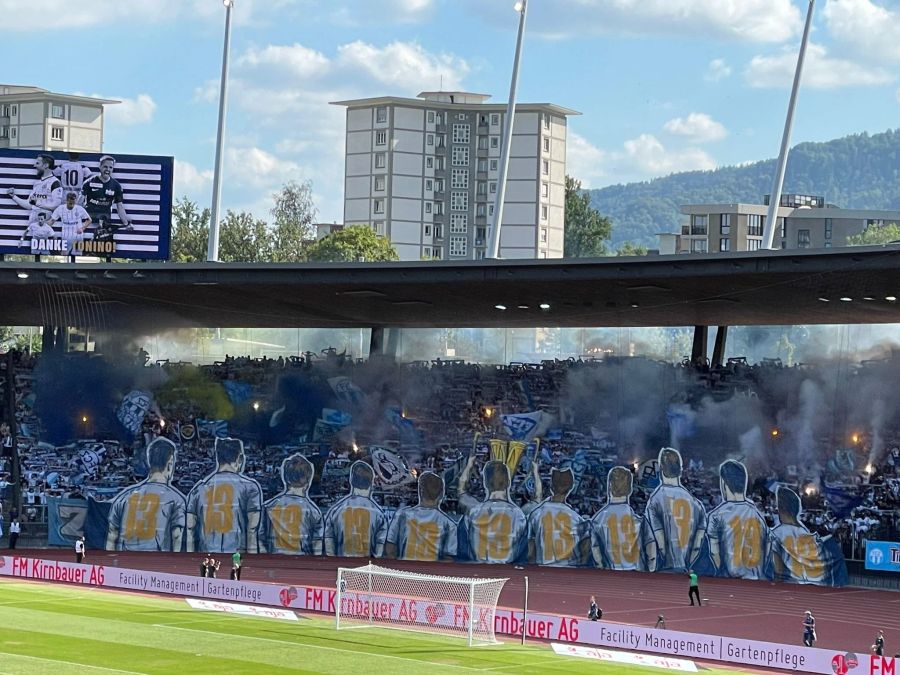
(59, 629)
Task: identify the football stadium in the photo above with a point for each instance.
(479, 424)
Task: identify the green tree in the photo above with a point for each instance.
(243, 238)
(630, 248)
(587, 232)
(876, 234)
(294, 215)
(354, 243)
(190, 231)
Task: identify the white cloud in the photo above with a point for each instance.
(44, 15)
(820, 71)
(584, 160)
(867, 27)
(717, 70)
(729, 20)
(294, 59)
(403, 64)
(138, 110)
(191, 181)
(647, 154)
(697, 127)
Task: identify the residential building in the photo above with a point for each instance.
(804, 221)
(36, 119)
(423, 172)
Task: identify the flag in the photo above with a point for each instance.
(336, 417)
(522, 426)
(324, 430)
(187, 432)
(345, 389)
(133, 409)
(390, 467)
(842, 500)
(407, 428)
(89, 457)
(238, 392)
(212, 428)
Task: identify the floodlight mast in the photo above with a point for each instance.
(781, 166)
(494, 250)
(212, 252)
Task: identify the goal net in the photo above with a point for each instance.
(458, 606)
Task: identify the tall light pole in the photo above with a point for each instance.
(212, 253)
(775, 196)
(494, 252)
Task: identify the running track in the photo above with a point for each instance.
(846, 619)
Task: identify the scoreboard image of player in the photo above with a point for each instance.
(106, 205)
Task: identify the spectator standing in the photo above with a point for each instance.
(809, 629)
(79, 550)
(14, 529)
(594, 612)
(236, 566)
(878, 645)
(204, 567)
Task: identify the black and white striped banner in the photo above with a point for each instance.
(147, 190)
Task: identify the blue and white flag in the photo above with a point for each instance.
(346, 390)
(336, 417)
(133, 409)
(390, 467)
(522, 426)
(212, 428)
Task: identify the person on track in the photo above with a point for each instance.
(809, 629)
(694, 590)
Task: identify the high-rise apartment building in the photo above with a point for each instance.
(804, 221)
(423, 172)
(36, 119)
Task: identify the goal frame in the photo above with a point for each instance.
(472, 607)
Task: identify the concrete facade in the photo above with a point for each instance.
(36, 119)
(423, 172)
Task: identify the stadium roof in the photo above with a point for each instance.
(851, 285)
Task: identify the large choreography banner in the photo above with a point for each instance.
(225, 512)
(71, 204)
(507, 621)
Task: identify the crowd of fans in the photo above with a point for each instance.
(434, 414)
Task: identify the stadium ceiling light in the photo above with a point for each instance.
(869, 298)
(522, 306)
(824, 299)
(846, 299)
(519, 6)
(634, 305)
(891, 298)
(228, 3)
(22, 274)
(545, 306)
(500, 307)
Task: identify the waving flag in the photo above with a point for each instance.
(522, 426)
(212, 428)
(390, 467)
(336, 417)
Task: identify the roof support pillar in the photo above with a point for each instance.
(719, 347)
(701, 342)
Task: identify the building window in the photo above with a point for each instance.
(379, 206)
(699, 224)
(380, 160)
(698, 246)
(427, 207)
(482, 166)
(438, 232)
(458, 246)
(57, 133)
(12, 132)
(429, 162)
(429, 139)
(459, 223)
(481, 188)
(381, 115)
(490, 209)
(782, 225)
(428, 228)
(543, 235)
(755, 225)
(13, 110)
(4, 132)
(495, 119)
(828, 229)
(803, 238)
(546, 144)
(494, 164)
(495, 142)
(461, 116)
(753, 244)
(380, 138)
(439, 185)
(725, 244)
(493, 187)
(58, 111)
(460, 133)
(545, 189)
(437, 253)
(460, 156)
(482, 119)
(545, 167)
(544, 212)
(482, 142)
(439, 208)
(480, 210)
(442, 140)
(459, 201)
(430, 117)
(379, 183)
(725, 224)
(429, 185)
(459, 178)
(439, 164)
(4, 110)
(378, 226)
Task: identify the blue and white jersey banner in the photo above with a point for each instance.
(122, 206)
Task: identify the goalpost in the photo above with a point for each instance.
(378, 596)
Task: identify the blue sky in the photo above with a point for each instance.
(663, 85)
